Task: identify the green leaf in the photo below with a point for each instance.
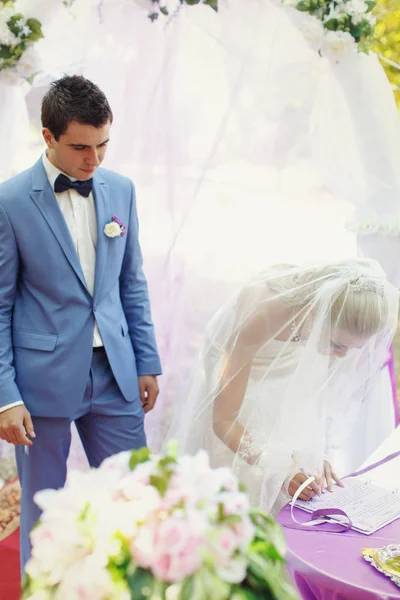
(265, 575)
(119, 564)
(26, 581)
(204, 585)
(172, 448)
(141, 584)
(356, 33)
(139, 456)
(160, 482)
(168, 460)
(12, 23)
(188, 589)
(5, 52)
(232, 519)
(212, 3)
(36, 29)
(268, 529)
(265, 549)
(244, 594)
(304, 6)
(279, 585)
(84, 512)
(212, 586)
(332, 24)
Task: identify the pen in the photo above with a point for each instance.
(316, 488)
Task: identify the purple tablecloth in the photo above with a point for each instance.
(329, 566)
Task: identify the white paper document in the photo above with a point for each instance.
(386, 474)
(368, 505)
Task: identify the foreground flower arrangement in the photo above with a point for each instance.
(151, 527)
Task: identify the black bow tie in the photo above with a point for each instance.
(63, 183)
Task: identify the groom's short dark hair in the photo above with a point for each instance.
(74, 98)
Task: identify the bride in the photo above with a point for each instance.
(284, 368)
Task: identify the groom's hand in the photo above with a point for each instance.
(148, 391)
(16, 426)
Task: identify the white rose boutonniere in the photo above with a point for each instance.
(115, 228)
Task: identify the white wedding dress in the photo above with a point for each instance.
(262, 408)
(298, 397)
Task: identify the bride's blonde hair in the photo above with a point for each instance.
(361, 307)
(361, 312)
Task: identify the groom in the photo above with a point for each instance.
(76, 336)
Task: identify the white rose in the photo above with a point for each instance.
(20, 23)
(234, 571)
(370, 18)
(336, 12)
(338, 45)
(117, 463)
(173, 592)
(6, 13)
(112, 230)
(357, 9)
(88, 579)
(7, 38)
(26, 30)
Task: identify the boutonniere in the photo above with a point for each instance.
(115, 228)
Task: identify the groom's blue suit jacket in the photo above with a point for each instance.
(47, 314)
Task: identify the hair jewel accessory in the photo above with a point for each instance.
(368, 284)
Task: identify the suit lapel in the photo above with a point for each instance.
(103, 215)
(45, 200)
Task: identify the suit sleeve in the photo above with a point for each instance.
(135, 300)
(9, 267)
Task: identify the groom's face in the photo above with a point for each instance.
(79, 150)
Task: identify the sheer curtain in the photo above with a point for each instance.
(225, 122)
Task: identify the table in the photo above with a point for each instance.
(329, 566)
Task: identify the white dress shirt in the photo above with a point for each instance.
(80, 215)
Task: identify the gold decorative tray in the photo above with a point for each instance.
(386, 560)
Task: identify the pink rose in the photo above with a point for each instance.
(227, 479)
(234, 503)
(244, 532)
(175, 567)
(223, 544)
(171, 547)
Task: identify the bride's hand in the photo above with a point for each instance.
(308, 492)
(329, 476)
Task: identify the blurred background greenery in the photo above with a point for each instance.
(387, 43)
